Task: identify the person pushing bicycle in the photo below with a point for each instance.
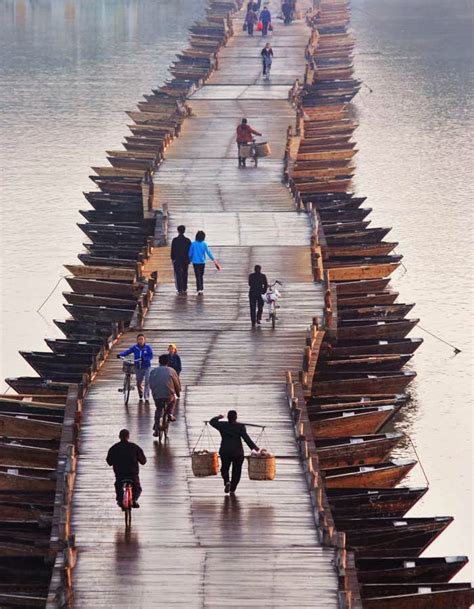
(142, 356)
(165, 387)
(244, 135)
(126, 457)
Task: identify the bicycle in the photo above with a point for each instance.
(128, 368)
(127, 501)
(271, 297)
(164, 421)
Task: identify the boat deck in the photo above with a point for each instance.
(190, 545)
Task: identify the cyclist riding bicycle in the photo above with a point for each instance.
(125, 457)
(165, 388)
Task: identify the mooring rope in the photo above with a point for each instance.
(50, 294)
(418, 458)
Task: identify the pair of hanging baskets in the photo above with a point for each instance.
(205, 461)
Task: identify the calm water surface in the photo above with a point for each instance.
(415, 165)
(68, 70)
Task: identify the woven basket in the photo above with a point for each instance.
(263, 149)
(246, 151)
(262, 468)
(204, 463)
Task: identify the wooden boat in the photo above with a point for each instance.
(380, 382)
(99, 301)
(364, 300)
(324, 185)
(40, 409)
(392, 537)
(102, 273)
(364, 271)
(347, 422)
(91, 347)
(376, 329)
(36, 385)
(14, 427)
(375, 363)
(376, 475)
(418, 596)
(84, 313)
(348, 251)
(94, 329)
(344, 225)
(90, 259)
(355, 450)
(55, 399)
(131, 254)
(364, 286)
(26, 456)
(372, 347)
(408, 570)
(317, 404)
(358, 502)
(352, 215)
(338, 155)
(393, 310)
(112, 217)
(14, 481)
(115, 234)
(369, 235)
(113, 289)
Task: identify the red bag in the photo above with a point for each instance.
(259, 26)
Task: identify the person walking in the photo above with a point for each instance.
(126, 457)
(266, 19)
(250, 20)
(197, 255)
(165, 388)
(142, 356)
(231, 450)
(174, 361)
(244, 136)
(267, 57)
(179, 255)
(258, 285)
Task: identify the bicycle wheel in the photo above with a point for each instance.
(164, 424)
(128, 518)
(127, 503)
(273, 319)
(126, 388)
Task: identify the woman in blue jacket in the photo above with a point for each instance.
(142, 356)
(197, 255)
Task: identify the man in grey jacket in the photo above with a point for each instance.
(165, 387)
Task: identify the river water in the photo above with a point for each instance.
(68, 70)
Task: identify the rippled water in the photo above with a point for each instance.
(68, 70)
(415, 165)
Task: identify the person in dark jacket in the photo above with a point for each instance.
(267, 58)
(179, 255)
(250, 20)
(231, 450)
(174, 361)
(287, 12)
(258, 285)
(142, 356)
(125, 457)
(266, 19)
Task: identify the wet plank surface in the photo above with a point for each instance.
(190, 545)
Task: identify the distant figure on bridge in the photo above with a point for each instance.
(244, 136)
(197, 255)
(267, 58)
(165, 388)
(126, 457)
(180, 257)
(231, 450)
(174, 361)
(266, 19)
(258, 285)
(287, 11)
(142, 356)
(250, 20)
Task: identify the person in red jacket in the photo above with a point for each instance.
(244, 136)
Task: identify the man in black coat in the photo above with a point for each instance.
(231, 450)
(125, 458)
(258, 285)
(179, 255)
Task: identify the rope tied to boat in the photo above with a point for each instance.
(50, 294)
(455, 349)
(418, 459)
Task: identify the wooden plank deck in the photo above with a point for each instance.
(190, 545)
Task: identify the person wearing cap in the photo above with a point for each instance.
(126, 457)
